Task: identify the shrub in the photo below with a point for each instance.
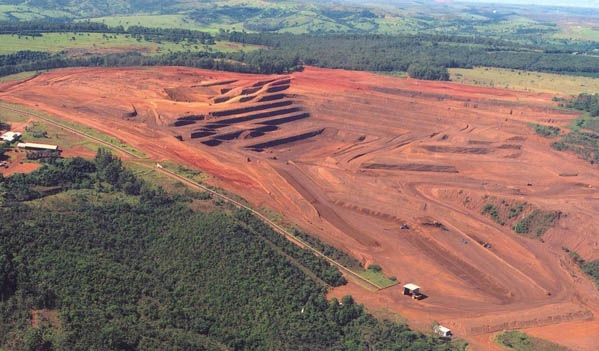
(375, 268)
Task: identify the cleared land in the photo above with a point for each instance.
(525, 81)
(351, 157)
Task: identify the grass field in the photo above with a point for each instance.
(183, 171)
(18, 76)
(578, 31)
(377, 278)
(54, 135)
(164, 21)
(81, 43)
(154, 21)
(26, 13)
(518, 341)
(525, 81)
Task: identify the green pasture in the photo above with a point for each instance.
(18, 76)
(80, 43)
(579, 32)
(27, 13)
(149, 20)
(536, 82)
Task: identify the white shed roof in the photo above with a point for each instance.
(37, 146)
(411, 286)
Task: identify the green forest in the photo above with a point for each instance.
(127, 266)
(423, 56)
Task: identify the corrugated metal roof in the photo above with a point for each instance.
(37, 146)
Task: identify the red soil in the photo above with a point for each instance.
(312, 168)
(16, 164)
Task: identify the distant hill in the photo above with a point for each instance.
(562, 3)
(506, 21)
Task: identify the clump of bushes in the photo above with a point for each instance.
(537, 223)
(547, 131)
(493, 212)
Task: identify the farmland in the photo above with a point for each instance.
(499, 21)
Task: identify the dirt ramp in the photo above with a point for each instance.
(285, 141)
(372, 213)
(284, 120)
(457, 149)
(310, 191)
(273, 97)
(242, 110)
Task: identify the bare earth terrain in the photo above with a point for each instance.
(353, 156)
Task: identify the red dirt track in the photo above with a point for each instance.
(351, 156)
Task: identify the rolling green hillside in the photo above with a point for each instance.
(506, 21)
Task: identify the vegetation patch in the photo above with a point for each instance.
(492, 211)
(536, 223)
(592, 269)
(583, 138)
(522, 80)
(428, 72)
(515, 210)
(19, 76)
(518, 341)
(547, 131)
(522, 217)
(377, 277)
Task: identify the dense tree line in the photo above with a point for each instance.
(23, 58)
(37, 28)
(585, 102)
(145, 272)
(428, 72)
(58, 26)
(398, 52)
(425, 56)
(263, 62)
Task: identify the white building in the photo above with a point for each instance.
(10, 136)
(443, 332)
(35, 146)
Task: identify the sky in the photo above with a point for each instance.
(566, 3)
